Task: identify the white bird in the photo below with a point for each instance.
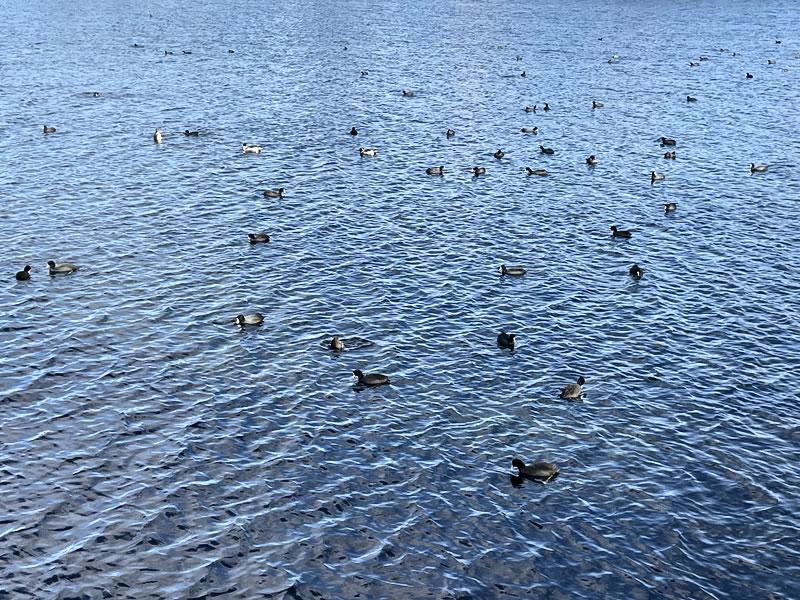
(157, 137)
(367, 151)
(248, 148)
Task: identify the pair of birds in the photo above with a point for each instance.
(53, 268)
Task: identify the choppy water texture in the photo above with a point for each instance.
(152, 449)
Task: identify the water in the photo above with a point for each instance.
(151, 449)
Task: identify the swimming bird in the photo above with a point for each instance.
(479, 171)
(748, 76)
(537, 471)
(670, 155)
(523, 74)
(506, 340)
(252, 149)
(596, 104)
(158, 137)
(96, 94)
(254, 319)
(547, 150)
(591, 161)
(758, 168)
(46, 129)
(691, 99)
(499, 154)
(770, 62)
(231, 52)
(435, 170)
(353, 131)
(364, 73)
(56, 268)
(367, 151)
(450, 133)
(703, 58)
(670, 206)
(408, 94)
(656, 176)
(191, 133)
(514, 271)
(370, 379)
(25, 274)
(667, 142)
(533, 130)
(256, 238)
(621, 233)
(530, 108)
(573, 390)
(636, 271)
(274, 193)
(546, 106)
(336, 343)
(186, 51)
(168, 52)
(694, 64)
(541, 172)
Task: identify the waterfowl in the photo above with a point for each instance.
(538, 471)
(191, 133)
(670, 206)
(253, 149)
(450, 133)
(656, 176)
(770, 62)
(591, 161)
(254, 319)
(370, 379)
(667, 141)
(694, 64)
(367, 151)
(506, 340)
(513, 271)
(158, 137)
(573, 390)
(479, 171)
(46, 129)
(186, 51)
(703, 58)
(691, 99)
(530, 108)
(435, 170)
(541, 172)
(523, 74)
(758, 168)
(336, 343)
(56, 268)
(546, 106)
(231, 52)
(533, 130)
(597, 104)
(353, 131)
(670, 155)
(168, 52)
(620, 233)
(636, 272)
(364, 73)
(25, 274)
(257, 238)
(547, 150)
(274, 193)
(518, 58)
(499, 154)
(748, 76)
(407, 94)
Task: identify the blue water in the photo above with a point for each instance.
(149, 448)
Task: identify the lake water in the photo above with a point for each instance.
(150, 448)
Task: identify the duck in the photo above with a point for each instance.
(254, 319)
(703, 58)
(364, 73)
(367, 151)
(694, 64)
(353, 131)
(670, 206)
(758, 168)
(191, 133)
(274, 193)
(541, 172)
(533, 130)
(95, 94)
(231, 52)
(370, 379)
(25, 274)
(499, 154)
(186, 51)
(46, 129)
(168, 52)
(479, 171)
(336, 343)
(530, 108)
(252, 149)
(620, 233)
(513, 271)
(506, 340)
(158, 137)
(408, 94)
(656, 176)
(546, 106)
(547, 150)
(435, 170)
(748, 76)
(56, 268)
(523, 74)
(667, 142)
(591, 161)
(770, 61)
(636, 272)
(573, 390)
(537, 471)
(596, 104)
(691, 99)
(450, 133)
(258, 238)
(670, 155)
